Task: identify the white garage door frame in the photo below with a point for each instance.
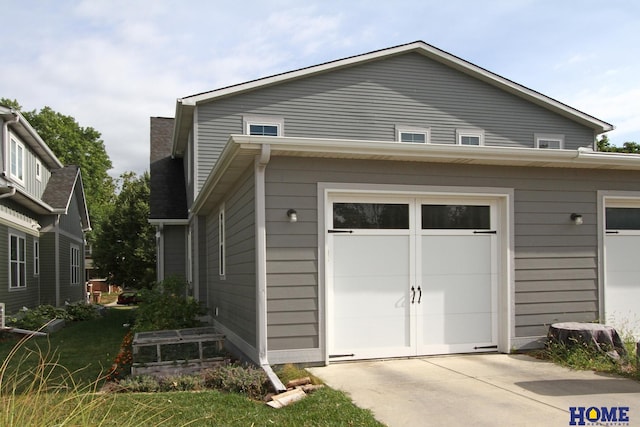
(505, 224)
(611, 199)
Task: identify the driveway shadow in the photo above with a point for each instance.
(577, 387)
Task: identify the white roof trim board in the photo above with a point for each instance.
(185, 106)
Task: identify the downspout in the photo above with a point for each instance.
(260, 167)
(9, 194)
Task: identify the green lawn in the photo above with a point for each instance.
(84, 351)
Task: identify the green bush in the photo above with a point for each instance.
(36, 318)
(82, 311)
(237, 378)
(167, 306)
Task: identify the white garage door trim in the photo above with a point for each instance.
(503, 198)
(609, 244)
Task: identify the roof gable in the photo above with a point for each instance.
(62, 186)
(185, 106)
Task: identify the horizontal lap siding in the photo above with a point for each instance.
(235, 296)
(556, 262)
(368, 101)
(16, 299)
(174, 251)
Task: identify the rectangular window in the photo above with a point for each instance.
(38, 170)
(622, 218)
(75, 264)
(36, 257)
(17, 160)
(456, 217)
(221, 245)
(469, 137)
(548, 141)
(263, 130)
(17, 262)
(381, 216)
(413, 135)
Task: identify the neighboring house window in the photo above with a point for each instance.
(17, 262)
(221, 244)
(414, 135)
(38, 170)
(17, 160)
(469, 137)
(75, 264)
(549, 141)
(36, 257)
(263, 125)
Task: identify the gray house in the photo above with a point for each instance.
(43, 217)
(398, 203)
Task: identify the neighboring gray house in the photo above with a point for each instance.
(398, 203)
(43, 217)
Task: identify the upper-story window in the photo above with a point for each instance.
(551, 141)
(469, 137)
(263, 126)
(413, 135)
(17, 160)
(38, 170)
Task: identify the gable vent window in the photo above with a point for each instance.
(263, 130)
(549, 141)
(469, 137)
(263, 125)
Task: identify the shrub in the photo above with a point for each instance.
(82, 311)
(167, 306)
(36, 318)
(237, 378)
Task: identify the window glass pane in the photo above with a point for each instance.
(371, 215)
(622, 218)
(14, 248)
(442, 217)
(548, 143)
(469, 140)
(413, 137)
(264, 130)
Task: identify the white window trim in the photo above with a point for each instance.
(479, 133)
(19, 146)
(36, 257)
(549, 137)
(222, 248)
(74, 265)
(419, 130)
(18, 236)
(263, 121)
(38, 171)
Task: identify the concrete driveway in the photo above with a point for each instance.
(483, 390)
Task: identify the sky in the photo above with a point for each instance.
(113, 64)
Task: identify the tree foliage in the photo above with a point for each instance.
(76, 145)
(628, 147)
(124, 248)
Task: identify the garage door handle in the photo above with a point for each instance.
(340, 231)
(413, 294)
(612, 232)
(420, 294)
(485, 232)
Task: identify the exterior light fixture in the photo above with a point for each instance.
(293, 215)
(576, 218)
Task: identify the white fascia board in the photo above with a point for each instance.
(449, 153)
(419, 47)
(168, 221)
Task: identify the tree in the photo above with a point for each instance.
(124, 247)
(76, 145)
(628, 147)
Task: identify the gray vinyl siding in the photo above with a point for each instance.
(555, 261)
(15, 299)
(175, 245)
(235, 295)
(70, 222)
(368, 101)
(201, 253)
(70, 292)
(48, 269)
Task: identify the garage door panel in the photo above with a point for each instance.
(443, 255)
(462, 328)
(622, 282)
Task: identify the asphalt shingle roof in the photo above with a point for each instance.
(168, 199)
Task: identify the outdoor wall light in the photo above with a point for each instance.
(576, 218)
(293, 215)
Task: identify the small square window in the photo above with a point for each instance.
(38, 170)
(469, 137)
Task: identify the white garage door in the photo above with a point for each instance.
(622, 270)
(411, 277)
